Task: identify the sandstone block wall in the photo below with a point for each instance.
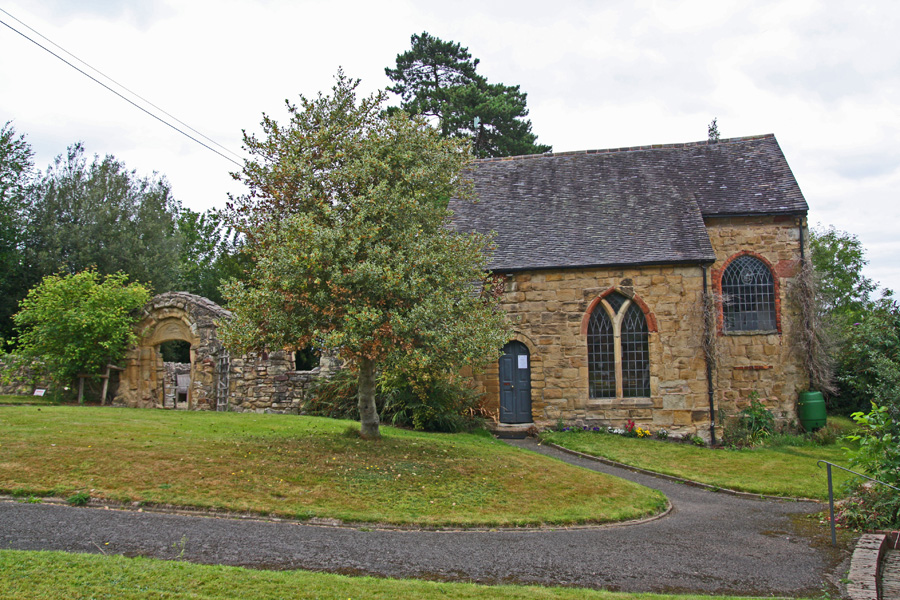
(547, 309)
(769, 364)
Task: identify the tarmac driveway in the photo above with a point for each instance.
(710, 543)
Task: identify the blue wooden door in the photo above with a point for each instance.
(515, 384)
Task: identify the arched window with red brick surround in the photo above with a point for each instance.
(748, 295)
(618, 348)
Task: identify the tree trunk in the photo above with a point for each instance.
(368, 413)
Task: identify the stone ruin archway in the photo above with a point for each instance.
(173, 316)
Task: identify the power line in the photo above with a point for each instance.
(107, 77)
(94, 79)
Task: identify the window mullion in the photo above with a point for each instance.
(617, 346)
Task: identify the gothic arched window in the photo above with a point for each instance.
(618, 349)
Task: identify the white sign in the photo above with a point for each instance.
(39, 392)
(523, 361)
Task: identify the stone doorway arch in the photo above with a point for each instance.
(173, 316)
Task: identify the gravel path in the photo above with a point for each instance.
(710, 543)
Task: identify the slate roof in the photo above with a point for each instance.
(623, 207)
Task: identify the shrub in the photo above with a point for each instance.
(878, 455)
(869, 364)
(749, 427)
(440, 404)
(335, 396)
(437, 404)
(871, 507)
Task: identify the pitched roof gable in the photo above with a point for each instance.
(628, 206)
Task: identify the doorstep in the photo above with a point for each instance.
(511, 431)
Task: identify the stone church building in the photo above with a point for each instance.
(615, 265)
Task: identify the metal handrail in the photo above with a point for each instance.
(828, 466)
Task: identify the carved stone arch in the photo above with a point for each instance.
(173, 316)
(532, 347)
(648, 314)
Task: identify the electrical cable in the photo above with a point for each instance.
(94, 79)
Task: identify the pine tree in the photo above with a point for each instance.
(438, 79)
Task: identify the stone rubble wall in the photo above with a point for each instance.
(172, 370)
(268, 383)
(20, 380)
(265, 382)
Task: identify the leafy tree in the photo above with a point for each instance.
(877, 435)
(869, 378)
(838, 258)
(850, 319)
(99, 214)
(78, 323)
(210, 253)
(16, 166)
(438, 79)
(869, 361)
(347, 224)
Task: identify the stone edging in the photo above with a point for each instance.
(712, 488)
(170, 509)
(865, 567)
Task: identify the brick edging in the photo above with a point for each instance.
(865, 567)
(712, 488)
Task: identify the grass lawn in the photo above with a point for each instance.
(779, 471)
(51, 575)
(300, 467)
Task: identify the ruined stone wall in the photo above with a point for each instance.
(549, 309)
(264, 382)
(173, 316)
(172, 370)
(766, 363)
(20, 379)
(268, 383)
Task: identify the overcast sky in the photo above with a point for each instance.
(824, 77)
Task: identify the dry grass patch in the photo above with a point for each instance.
(301, 467)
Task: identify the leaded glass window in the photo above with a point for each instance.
(748, 295)
(618, 350)
(635, 354)
(601, 355)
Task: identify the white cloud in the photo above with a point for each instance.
(822, 76)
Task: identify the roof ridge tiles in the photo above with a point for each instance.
(671, 146)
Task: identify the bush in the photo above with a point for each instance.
(869, 364)
(750, 427)
(872, 505)
(437, 404)
(443, 404)
(335, 396)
